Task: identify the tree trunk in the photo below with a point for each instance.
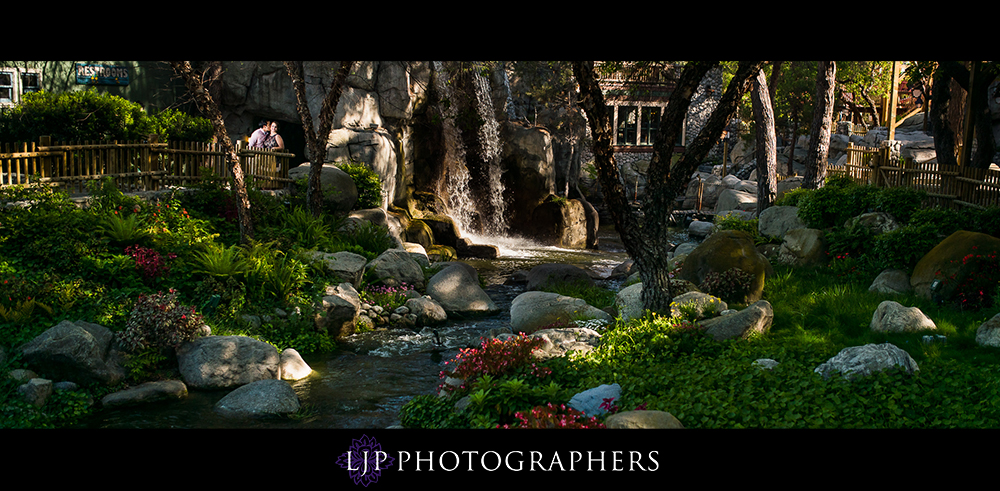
(316, 141)
(645, 233)
(791, 154)
(767, 159)
(207, 106)
(819, 139)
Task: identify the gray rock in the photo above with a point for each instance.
(219, 362)
(293, 367)
(642, 420)
(560, 341)
(699, 228)
(545, 274)
(457, 292)
(81, 352)
(775, 221)
(259, 399)
(802, 247)
(530, 311)
(628, 302)
(342, 304)
(753, 320)
(988, 333)
(145, 393)
(894, 317)
(338, 186)
(395, 267)
(893, 281)
(589, 401)
(427, 312)
(703, 304)
(36, 391)
(348, 266)
(862, 361)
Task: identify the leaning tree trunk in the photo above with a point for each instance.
(316, 141)
(767, 159)
(819, 141)
(646, 235)
(207, 106)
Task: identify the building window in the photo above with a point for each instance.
(6, 87)
(30, 83)
(650, 125)
(627, 125)
(17, 81)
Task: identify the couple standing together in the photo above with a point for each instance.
(266, 136)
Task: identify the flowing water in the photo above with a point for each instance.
(365, 384)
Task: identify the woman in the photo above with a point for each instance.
(272, 140)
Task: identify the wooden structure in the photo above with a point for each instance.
(134, 166)
(950, 186)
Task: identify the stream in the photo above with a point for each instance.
(366, 382)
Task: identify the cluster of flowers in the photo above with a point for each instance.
(496, 358)
(151, 264)
(157, 320)
(976, 290)
(552, 416)
(386, 296)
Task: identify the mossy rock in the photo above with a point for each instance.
(946, 259)
(420, 233)
(724, 250)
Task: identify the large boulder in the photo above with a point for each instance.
(347, 266)
(894, 317)
(560, 222)
(533, 310)
(803, 247)
(263, 398)
(734, 199)
(945, 260)
(751, 321)
(427, 311)
(395, 267)
(217, 362)
(161, 390)
(642, 420)
(628, 301)
(559, 341)
(342, 304)
(458, 292)
(338, 187)
(775, 221)
(79, 351)
(893, 281)
(988, 333)
(862, 361)
(724, 250)
(545, 275)
(530, 176)
(700, 305)
(878, 222)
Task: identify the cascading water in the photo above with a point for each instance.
(476, 215)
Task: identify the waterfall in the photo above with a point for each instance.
(476, 195)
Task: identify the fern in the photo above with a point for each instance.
(221, 261)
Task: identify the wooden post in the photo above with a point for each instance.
(965, 152)
(894, 99)
(45, 141)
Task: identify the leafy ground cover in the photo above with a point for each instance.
(154, 271)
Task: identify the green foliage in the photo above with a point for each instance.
(904, 247)
(158, 320)
(429, 411)
(89, 115)
(220, 261)
(595, 296)
(369, 185)
(308, 231)
(371, 238)
(792, 198)
(900, 202)
(732, 221)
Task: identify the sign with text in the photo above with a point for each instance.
(101, 74)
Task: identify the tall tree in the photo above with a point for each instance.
(819, 133)
(317, 140)
(645, 232)
(767, 148)
(196, 86)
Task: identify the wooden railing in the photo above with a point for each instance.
(950, 186)
(134, 166)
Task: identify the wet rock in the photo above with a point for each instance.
(226, 361)
(148, 392)
(259, 399)
(81, 352)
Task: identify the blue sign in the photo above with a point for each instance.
(101, 75)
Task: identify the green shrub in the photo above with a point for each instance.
(732, 221)
(368, 183)
(89, 115)
(904, 247)
(900, 202)
(595, 296)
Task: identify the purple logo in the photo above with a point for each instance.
(365, 460)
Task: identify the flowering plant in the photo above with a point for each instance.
(157, 320)
(388, 297)
(496, 358)
(978, 282)
(149, 262)
(552, 416)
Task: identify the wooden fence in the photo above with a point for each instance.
(949, 186)
(145, 166)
